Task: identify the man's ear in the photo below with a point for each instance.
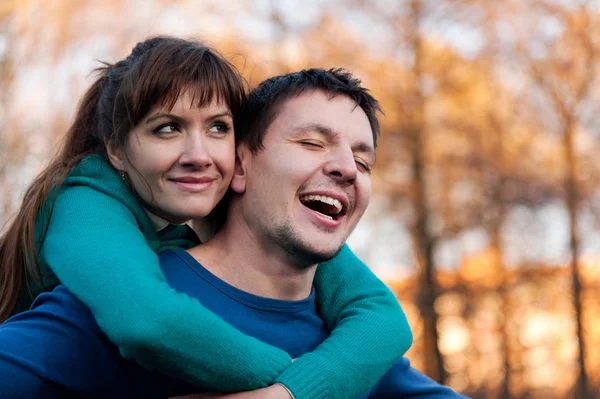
(115, 156)
(238, 182)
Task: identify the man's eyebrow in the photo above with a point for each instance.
(316, 127)
(366, 149)
(331, 134)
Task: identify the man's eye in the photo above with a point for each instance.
(312, 144)
(363, 166)
(166, 128)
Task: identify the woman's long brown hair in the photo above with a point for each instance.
(157, 71)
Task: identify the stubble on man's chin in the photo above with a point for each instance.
(299, 253)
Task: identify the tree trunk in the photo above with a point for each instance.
(571, 199)
(428, 292)
(499, 203)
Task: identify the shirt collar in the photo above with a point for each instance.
(158, 222)
(203, 228)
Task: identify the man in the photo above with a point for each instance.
(300, 186)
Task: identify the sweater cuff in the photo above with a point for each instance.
(286, 388)
(304, 381)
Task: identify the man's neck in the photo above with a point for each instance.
(238, 257)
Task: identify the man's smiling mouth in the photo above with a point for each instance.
(323, 204)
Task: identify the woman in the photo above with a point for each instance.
(96, 217)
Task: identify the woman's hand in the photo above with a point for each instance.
(276, 391)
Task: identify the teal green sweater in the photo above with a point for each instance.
(101, 244)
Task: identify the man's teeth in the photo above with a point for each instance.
(323, 198)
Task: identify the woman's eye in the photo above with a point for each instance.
(167, 128)
(220, 127)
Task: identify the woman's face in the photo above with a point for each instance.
(180, 161)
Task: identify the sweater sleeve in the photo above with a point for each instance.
(369, 333)
(95, 247)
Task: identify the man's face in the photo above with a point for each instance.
(308, 188)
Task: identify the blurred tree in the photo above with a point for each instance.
(11, 148)
(424, 241)
(561, 61)
(480, 98)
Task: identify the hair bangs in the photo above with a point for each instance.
(172, 71)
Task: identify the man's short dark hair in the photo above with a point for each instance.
(264, 102)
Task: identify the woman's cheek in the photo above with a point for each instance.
(223, 156)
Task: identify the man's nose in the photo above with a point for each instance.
(341, 166)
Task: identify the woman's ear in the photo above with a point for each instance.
(115, 157)
(238, 182)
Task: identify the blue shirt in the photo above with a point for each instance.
(56, 349)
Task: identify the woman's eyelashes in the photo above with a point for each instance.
(167, 129)
(220, 128)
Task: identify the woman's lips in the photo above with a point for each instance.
(193, 184)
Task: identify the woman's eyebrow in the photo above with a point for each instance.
(163, 115)
(221, 114)
(180, 119)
